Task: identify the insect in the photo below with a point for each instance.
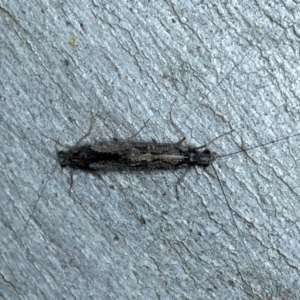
(142, 156)
(135, 155)
(130, 155)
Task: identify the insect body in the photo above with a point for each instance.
(129, 155)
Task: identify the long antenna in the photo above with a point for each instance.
(258, 146)
(20, 233)
(234, 221)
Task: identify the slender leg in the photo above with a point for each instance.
(211, 141)
(180, 141)
(68, 146)
(133, 136)
(179, 181)
(92, 123)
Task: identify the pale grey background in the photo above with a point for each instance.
(230, 66)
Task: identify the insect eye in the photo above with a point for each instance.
(62, 158)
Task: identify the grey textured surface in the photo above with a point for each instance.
(230, 66)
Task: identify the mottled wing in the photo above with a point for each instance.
(128, 155)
